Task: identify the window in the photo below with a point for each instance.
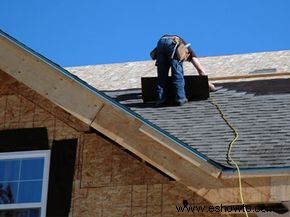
(24, 183)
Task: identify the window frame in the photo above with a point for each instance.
(45, 154)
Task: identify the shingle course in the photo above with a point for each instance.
(262, 119)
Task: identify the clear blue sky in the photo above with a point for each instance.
(89, 32)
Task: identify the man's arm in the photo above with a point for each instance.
(195, 62)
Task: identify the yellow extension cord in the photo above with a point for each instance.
(230, 159)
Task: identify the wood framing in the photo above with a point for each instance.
(255, 190)
(48, 80)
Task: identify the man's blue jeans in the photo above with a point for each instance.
(165, 48)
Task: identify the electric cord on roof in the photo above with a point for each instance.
(229, 157)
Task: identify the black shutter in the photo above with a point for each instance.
(62, 162)
(29, 139)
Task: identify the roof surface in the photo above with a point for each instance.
(261, 116)
(259, 110)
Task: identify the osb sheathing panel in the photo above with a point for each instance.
(2, 111)
(12, 113)
(104, 164)
(27, 108)
(97, 163)
(150, 200)
(113, 182)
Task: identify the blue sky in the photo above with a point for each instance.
(89, 32)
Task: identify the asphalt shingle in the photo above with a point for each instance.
(259, 111)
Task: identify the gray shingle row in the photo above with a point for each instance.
(260, 114)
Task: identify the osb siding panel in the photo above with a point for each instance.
(12, 112)
(85, 200)
(105, 164)
(7, 84)
(112, 182)
(97, 162)
(126, 169)
(27, 111)
(157, 200)
(2, 111)
(119, 196)
(17, 112)
(63, 131)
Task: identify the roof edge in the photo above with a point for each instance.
(275, 75)
(228, 173)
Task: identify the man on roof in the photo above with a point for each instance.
(170, 52)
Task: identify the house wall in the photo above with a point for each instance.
(113, 182)
(108, 180)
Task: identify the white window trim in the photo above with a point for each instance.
(31, 154)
